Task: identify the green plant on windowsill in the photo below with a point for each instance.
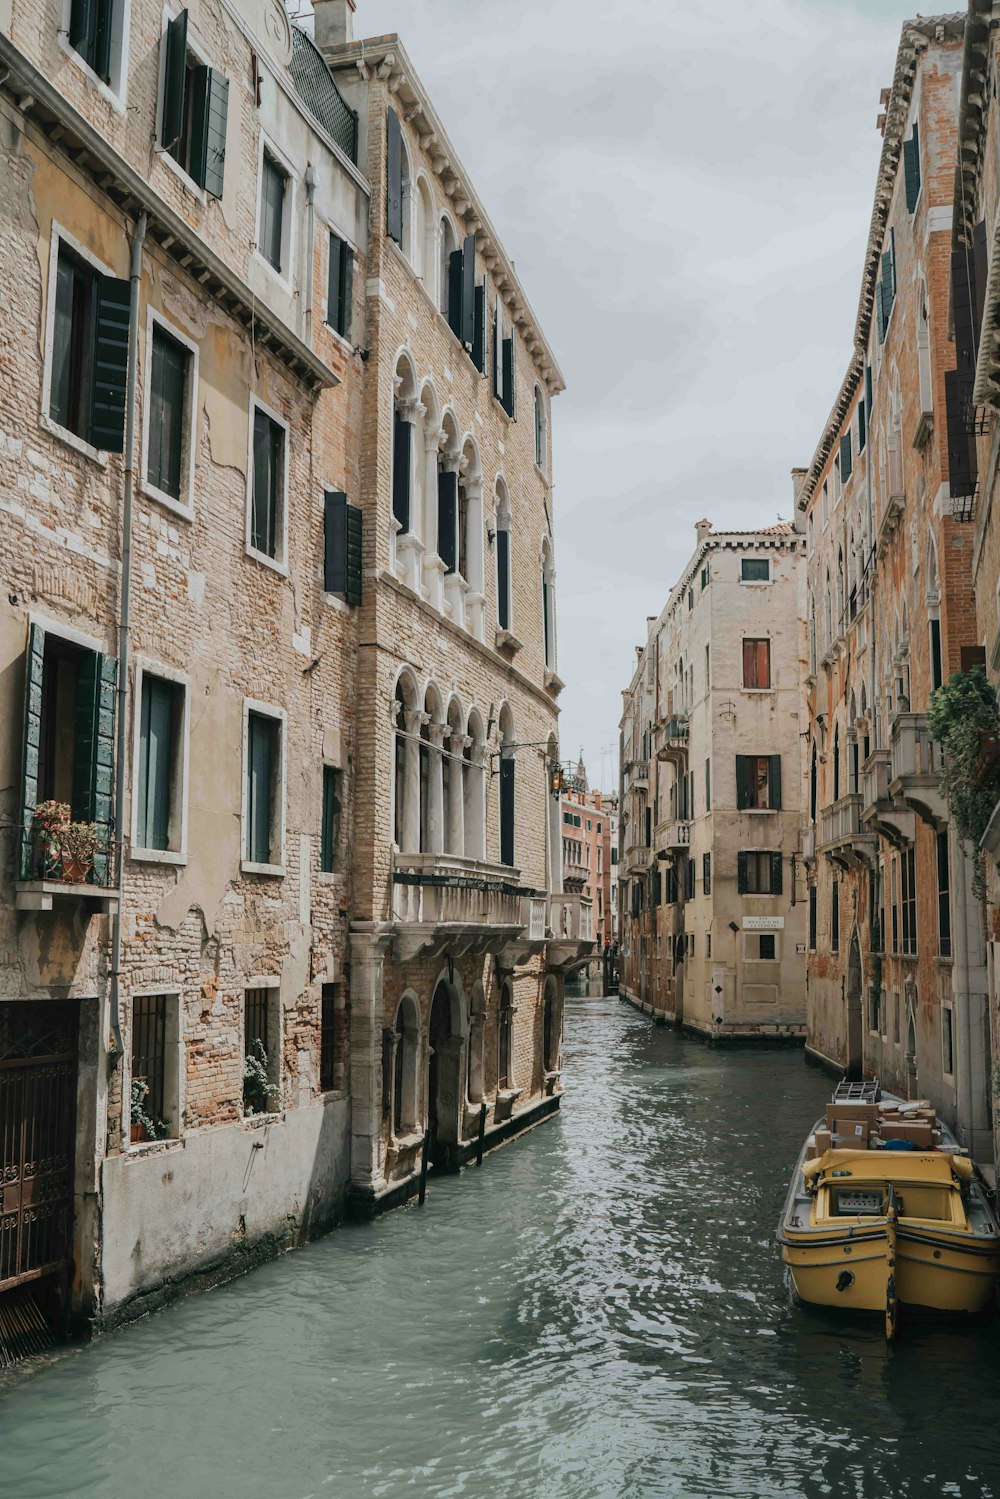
(259, 1093)
(63, 849)
(961, 712)
(144, 1125)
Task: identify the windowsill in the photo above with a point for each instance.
(407, 1141)
(334, 1095)
(272, 871)
(281, 568)
(760, 895)
(756, 582)
(505, 641)
(342, 342)
(259, 1121)
(542, 475)
(497, 402)
(135, 1151)
(78, 444)
(174, 166)
(280, 280)
(336, 602)
(158, 856)
(331, 876)
(117, 101)
(759, 811)
(946, 962)
(760, 691)
(176, 507)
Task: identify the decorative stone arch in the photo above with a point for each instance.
(505, 1039)
(433, 728)
(403, 1073)
(446, 1062)
(424, 256)
(404, 521)
(475, 787)
(448, 244)
(552, 1022)
(507, 786)
(428, 413)
(454, 778)
(407, 716)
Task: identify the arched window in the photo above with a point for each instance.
(840, 591)
(449, 247)
(828, 610)
(548, 605)
(475, 799)
(406, 779)
(812, 634)
(454, 781)
(405, 1040)
(404, 415)
(432, 731)
(541, 445)
(924, 351)
(503, 557)
(475, 1086)
(505, 1040)
(508, 799)
(424, 258)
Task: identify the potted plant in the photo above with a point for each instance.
(259, 1093)
(49, 823)
(143, 1125)
(79, 845)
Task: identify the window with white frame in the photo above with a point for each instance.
(274, 214)
(261, 1048)
(86, 366)
(159, 793)
(267, 505)
(155, 1075)
(263, 789)
(170, 406)
(95, 34)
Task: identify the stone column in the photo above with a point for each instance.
(475, 806)
(457, 743)
(435, 790)
(410, 821)
(410, 544)
(368, 950)
(475, 600)
(434, 568)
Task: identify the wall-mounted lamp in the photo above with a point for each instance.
(491, 535)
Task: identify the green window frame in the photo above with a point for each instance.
(89, 363)
(340, 286)
(330, 826)
(169, 376)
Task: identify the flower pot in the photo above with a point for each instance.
(47, 855)
(76, 867)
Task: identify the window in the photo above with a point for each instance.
(689, 878)
(908, 884)
(330, 829)
(874, 1009)
(758, 782)
(91, 31)
(766, 952)
(340, 286)
(333, 1039)
(503, 560)
(194, 112)
(690, 599)
(504, 363)
(813, 922)
(89, 320)
(261, 1051)
(268, 486)
(756, 664)
(343, 543)
(758, 872)
(154, 1101)
(845, 456)
(395, 158)
(505, 1041)
(263, 812)
(540, 428)
(704, 577)
(937, 667)
(947, 1040)
(911, 168)
(168, 413)
(835, 916)
(895, 1018)
(708, 785)
(755, 570)
(158, 820)
(614, 854)
(706, 874)
(271, 233)
(944, 897)
(894, 903)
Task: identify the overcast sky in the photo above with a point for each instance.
(685, 190)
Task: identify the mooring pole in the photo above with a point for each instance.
(423, 1170)
(482, 1134)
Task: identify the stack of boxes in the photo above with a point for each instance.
(871, 1126)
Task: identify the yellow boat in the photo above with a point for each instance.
(870, 1229)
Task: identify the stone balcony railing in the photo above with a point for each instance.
(843, 836)
(637, 857)
(638, 774)
(915, 767)
(674, 738)
(440, 900)
(673, 834)
(572, 921)
(879, 809)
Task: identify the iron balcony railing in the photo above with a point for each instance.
(41, 856)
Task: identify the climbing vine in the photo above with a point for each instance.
(964, 717)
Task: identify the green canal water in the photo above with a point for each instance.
(599, 1311)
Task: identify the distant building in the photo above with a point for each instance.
(712, 891)
(586, 848)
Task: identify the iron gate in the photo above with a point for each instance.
(37, 1126)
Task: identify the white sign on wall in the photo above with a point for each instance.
(763, 923)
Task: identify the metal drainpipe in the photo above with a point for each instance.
(135, 271)
(310, 180)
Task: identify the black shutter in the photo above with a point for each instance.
(455, 292)
(401, 439)
(447, 518)
(846, 458)
(507, 810)
(209, 113)
(81, 24)
(879, 313)
(745, 767)
(868, 394)
(911, 169)
(962, 458)
(355, 553)
(333, 281)
(776, 874)
(479, 329)
(174, 69)
(110, 364)
(980, 262)
(508, 375)
(741, 872)
(503, 579)
(963, 305)
(496, 349)
(346, 292)
(394, 177)
(334, 542)
(467, 330)
(862, 427)
(774, 788)
(34, 666)
(888, 287)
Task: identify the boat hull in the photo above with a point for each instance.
(931, 1271)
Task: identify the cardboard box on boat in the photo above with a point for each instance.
(824, 1141)
(850, 1113)
(918, 1131)
(851, 1134)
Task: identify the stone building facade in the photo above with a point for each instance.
(711, 904)
(896, 970)
(203, 624)
(586, 829)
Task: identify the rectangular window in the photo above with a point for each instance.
(194, 110)
(263, 831)
(333, 1039)
(708, 785)
(170, 364)
(911, 168)
(330, 830)
(758, 782)
(909, 901)
(835, 916)
(268, 486)
(159, 790)
(948, 1040)
(704, 576)
(91, 32)
(894, 903)
(690, 599)
(874, 1009)
(895, 1018)
(813, 915)
(706, 873)
(759, 872)
(689, 879)
(340, 286)
(767, 952)
(87, 376)
(343, 546)
(755, 570)
(273, 186)
(944, 896)
(756, 664)
(148, 1119)
(937, 667)
(261, 1052)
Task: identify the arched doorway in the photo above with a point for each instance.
(855, 1018)
(445, 1076)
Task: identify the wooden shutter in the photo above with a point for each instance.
(655, 894)
(496, 348)
(110, 364)
(776, 874)
(706, 873)
(888, 285)
(455, 292)
(745, 789)
(963, 304)
(260, 739)
(156, 740)
(174, 71)
(981, 267)
(333, 281)
(466, 331)
(862, 426)
(355, 554)
(507, 796)
(911, 169)
(750, 663)
(879, 313)
(846, 457)
(346, 292)
(868, 394)
(81, 24)
(741, 872)
(394, 177)
(962, 457)
(503, 579)
(774, 783)
(342, 546)
(509, 363)
(447, 518)
(209, 115)
(479, 328)
(34, 665)
(401, 439)
(94, 748)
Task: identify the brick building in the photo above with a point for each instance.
(202, 336)
(586, 848)
(711, 902)
(896, 970)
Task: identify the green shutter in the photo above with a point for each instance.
(496, 349)
(447, 518)
(467, 330)
(455, 281)
(775, 782)
(744, 781)
(355, 551)
(741, 872)
(209, 116)
(110, 364)
(34, 665)
(846, 457)
(776, 874)
(503, 579)
(81, 24)
(260, 739)
(911, 169)
(174, 69)
(479, 329)
(333, 281)
(509, 376)
(94, 750)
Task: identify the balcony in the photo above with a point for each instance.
(575, 876)
(572, 929)
(440, 901)
(637, 857)
(915, 768)
(674, 741)
(49, 872)
(638, 774)
(879, 810)
(672, 836)
(843, 838)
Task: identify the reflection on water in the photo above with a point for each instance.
(598, 1312)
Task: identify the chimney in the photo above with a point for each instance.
(798, 479)
(333, 22)
(701, 529)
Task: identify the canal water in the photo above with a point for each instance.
(598, 1312)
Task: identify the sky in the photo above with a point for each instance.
(685, 190)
